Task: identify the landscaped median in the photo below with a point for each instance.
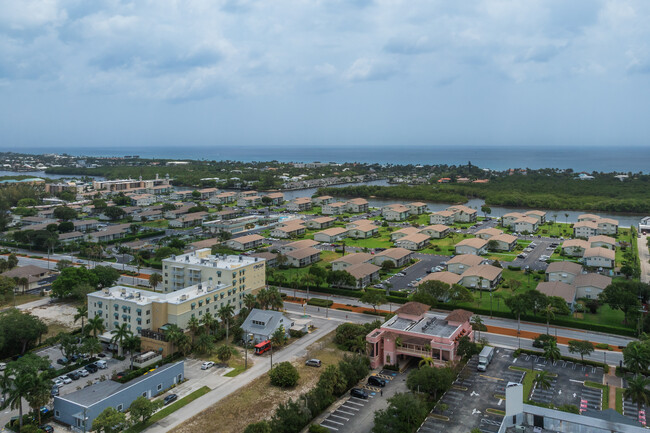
(162, 413)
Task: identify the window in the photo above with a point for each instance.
(57, 413)
(120, 407)
(165, 273)
(207, 301)
(159, 387)
(144, 394)
(148, 321)
(148, 312)
(219, 274)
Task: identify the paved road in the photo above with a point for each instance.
(644, 256)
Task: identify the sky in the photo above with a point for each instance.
(78, 73)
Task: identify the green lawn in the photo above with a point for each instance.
(619, 400)
(162, 413)
(162, 224)
(529, 380)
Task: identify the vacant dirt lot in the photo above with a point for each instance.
(57, 314)
(258, 400)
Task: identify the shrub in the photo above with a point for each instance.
(284, 375)
(316, 428)
(603, 346)
(391, 367)
(320, 302)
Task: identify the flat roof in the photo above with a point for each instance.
(210, 260)
(429, 325)
(145, 297)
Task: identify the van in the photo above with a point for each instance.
(101, 364)
(484, 358)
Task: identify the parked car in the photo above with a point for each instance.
(58, 383)
(46, 428)
(62, 361)
(65, 379)
(74, 375)
(2, 366)
(101, 355)
(359, 393)
(313, 362)
(170, 398)
(54, 391)
(82, 372)
(91, 368)
(206, 365)
(377, 381)
(101, 364)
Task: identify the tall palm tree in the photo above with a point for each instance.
(209, 322)
(636, 390)
(6, 382)
(39, 394)
(81, 314)
(155, 279)
(426, 361)
(132, 344)
(194, 326)
(249, 301)
(358, 345)
(205, 344)
(275, 299)
(263, 298)
(24, 282)
(120, 334)
(635, 356)
(96, 325)
(184, 344)
(22, 384)
(225, 314)
(549, 312)
(174, 334)
(543, 380)
(551, 351)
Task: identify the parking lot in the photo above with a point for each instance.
(476, 398)
(418, 270)
(352, 414)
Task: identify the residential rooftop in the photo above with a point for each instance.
(145, 297)
(428, 324)
(200, 258)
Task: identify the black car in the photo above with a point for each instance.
(54, 391)
(101, 355)
(91, 368)
(74, 375)
(376, 381)
(62, 361)
(170, 398)
(46, 428)
(359, 393)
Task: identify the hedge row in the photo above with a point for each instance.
(320, 302)
(564, 358)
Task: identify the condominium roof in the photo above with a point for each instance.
(592, 280)
(489, 231)
(395, 253)
(590, 224)
(416, 238)
(361, 270)
(354, 258)
(466, 259)
(558, 288)
(459, 315)
(435, 228)
(407, 231)
(334, 231)
(504, 237)
(413, 309)
(358, 201)
(397, 208)
(247, 239)
(322, 220)
(488, 272)
(444, 276)
(564, 266)
(305, 243)
(600, 252)
(301, 200)
(302, 253)
(473, 242)
(602, 238)
(573, 243)
(529, 220)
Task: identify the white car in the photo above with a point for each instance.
(58, 382)
(83, 372)
(65, 379)
(206, 365)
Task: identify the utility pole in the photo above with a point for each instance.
(271, 344)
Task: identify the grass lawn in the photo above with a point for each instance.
(21, 299)
(162, 224)
(529, 380)
(258, 400)
(162, 413)
(619, 400)
(54, 329)
(557, 230)
(606, 316)
(330, 256)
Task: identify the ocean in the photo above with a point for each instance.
(588, 159)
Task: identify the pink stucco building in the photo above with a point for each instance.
(415, 331)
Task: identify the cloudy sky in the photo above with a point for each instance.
(317, 72)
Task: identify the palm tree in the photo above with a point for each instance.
(543, 380)
(6, 381)
(275, 299)
(426, 361)
(549, 311)
(635, 356)
(205, 344)
(636, 390)
(154, 280)
(174, 334)
(477, 324)
(22, 385)
(24, 282)
(566, 218)
(82, 312)
(194, 326)
(249, 301)
(39, 394)
(209, 322)
(225, 314)
(96, 325)
(263, 298)
(184, 344)
(132, 344)
(124, 250)
(551, 351)
(120, 334)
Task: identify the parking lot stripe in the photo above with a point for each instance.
(351, 408)
(339, 416)
(342, 411)
(354, 402)
(329, 427)
(335, 422)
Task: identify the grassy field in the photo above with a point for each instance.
(619, 400)
(159, 224)
(258, 400)
(20, 299)
(136, 428)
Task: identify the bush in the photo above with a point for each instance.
(296, 334)
(391, 367)
(320, 302)
(317, 428)
(284, 375)
(514, 268)
(603, 346)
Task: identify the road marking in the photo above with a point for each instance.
(490, 377)
(342, 411)
(354, 402)
(335, 422)
(351, 408)
(329, 427)
(577, 381)
(339, 416)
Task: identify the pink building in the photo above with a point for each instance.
(415, 331)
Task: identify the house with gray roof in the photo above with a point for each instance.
(89, 402)
(263, 323)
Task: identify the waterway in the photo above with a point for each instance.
(42, 174)
(568, 216)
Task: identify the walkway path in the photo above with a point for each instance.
(644, 256)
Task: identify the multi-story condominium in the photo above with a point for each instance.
(243, 273)
(130, 184)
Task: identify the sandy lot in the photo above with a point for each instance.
(61, 314)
